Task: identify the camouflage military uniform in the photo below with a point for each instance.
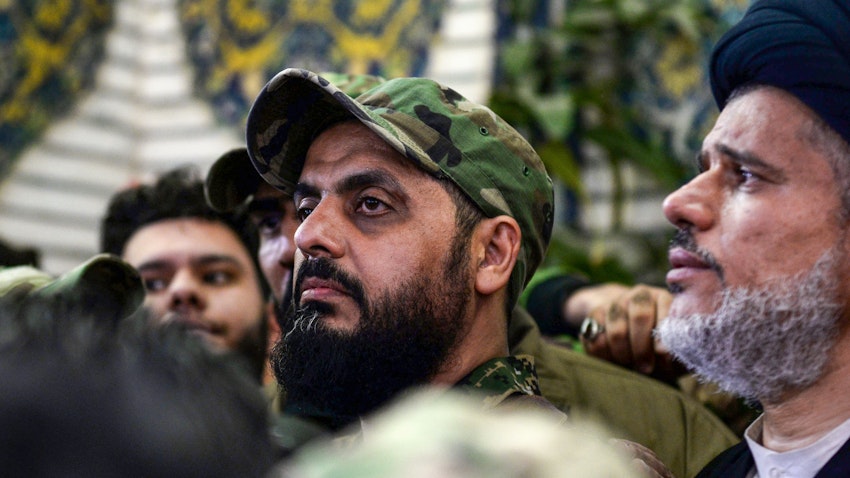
(507, 382)
(501, 378)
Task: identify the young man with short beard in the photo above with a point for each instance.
(198, 265)
(760, 264)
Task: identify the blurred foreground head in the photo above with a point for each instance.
(85, 394)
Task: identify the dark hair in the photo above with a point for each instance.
(178, 193)
(826, 140)
(89, 395)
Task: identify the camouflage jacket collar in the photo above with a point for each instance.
(500, 378)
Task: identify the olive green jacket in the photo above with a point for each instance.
(683, 433)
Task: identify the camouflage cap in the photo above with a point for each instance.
(104, 281)
(432, 125)
(232, 179)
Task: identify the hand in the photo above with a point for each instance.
(627, 316)
(644, 460)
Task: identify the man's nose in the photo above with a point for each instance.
(322, 232)
(693, 205)
(185, 291)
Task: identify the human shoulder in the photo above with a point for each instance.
(681, 431)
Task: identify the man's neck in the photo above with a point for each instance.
(802, 417)
(486, 338)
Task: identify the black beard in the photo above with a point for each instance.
(402, 340)
(251, 350)
(283, 306)
(254, 347)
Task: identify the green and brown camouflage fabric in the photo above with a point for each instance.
(351, 84)
(490, 385)
(432, 125)
(104, 282)
(499, 378)
(232, 179)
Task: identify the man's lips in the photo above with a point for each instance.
(190, 322)
(685, 265)
(680, 258)
(314, 288)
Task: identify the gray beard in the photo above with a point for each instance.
(762, 342)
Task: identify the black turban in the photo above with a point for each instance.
(800, 46)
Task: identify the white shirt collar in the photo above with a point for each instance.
(801, 463)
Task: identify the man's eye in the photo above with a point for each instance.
(155, 284)
(269, 224)
(371, 204)
(218, 277)
(746, 175)
(301, 213)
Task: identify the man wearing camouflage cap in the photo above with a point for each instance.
(423, 215)
(232, 182)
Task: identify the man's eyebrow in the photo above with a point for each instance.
(204, 260)
(746, 158)
(371, 177)
(305, 190)
(215, 259)
(740, 157)
(265, 205)
(156, 265)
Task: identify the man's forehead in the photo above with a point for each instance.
(766, 103)
(185, 235)
(757, 122)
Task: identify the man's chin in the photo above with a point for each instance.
(215, 343)
(340, 325)
(687, 309)
(339, 318)
(694, 301)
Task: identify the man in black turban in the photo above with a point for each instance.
(760, 265)
(800, 46)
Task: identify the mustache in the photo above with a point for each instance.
(685, 240)
(326, 269)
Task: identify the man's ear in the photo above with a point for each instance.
(500, 239)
